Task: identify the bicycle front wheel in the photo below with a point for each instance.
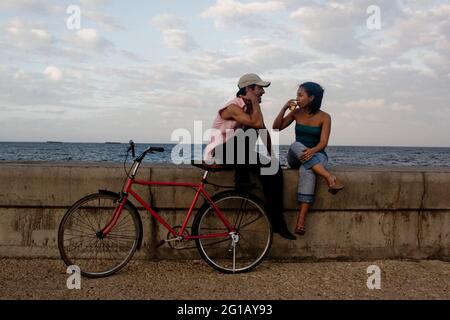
(81, 244)
(254, 232)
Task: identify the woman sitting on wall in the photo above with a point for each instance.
(307, 153)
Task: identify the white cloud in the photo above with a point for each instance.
(55, 88)
(53, 73)
(260, 59)
(103, 20)
(168, 21)
(252, 42)
(173, 36)
(402, 108)
(88, 35)
(30, 41)
(273, 57)
(90, 39)
(32, 6)
(439, 62)
(27, 35)
(422, 34)
(226, 12)
(365, 104)
(329, 28)
(93, 3)
(178, 39)
(89, 10)
(375, 105)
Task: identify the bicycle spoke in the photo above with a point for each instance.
(80, 245)
(122, 221)
(84, 223)
(240, 215)
(88, 219)
(252, 221)
(254, 234)
(121, 237)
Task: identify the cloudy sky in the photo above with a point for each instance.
(140, 69)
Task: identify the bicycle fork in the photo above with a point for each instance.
(115, 217)
(117, 212)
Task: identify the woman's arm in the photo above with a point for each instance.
(281, 122)
(325, 135)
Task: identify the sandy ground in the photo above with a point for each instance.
(195, 280)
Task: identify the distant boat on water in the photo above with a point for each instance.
(112, 142)
(53, 142)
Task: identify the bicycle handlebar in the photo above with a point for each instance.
(149, 149)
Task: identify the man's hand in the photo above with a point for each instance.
(307, 154)
(251, 96)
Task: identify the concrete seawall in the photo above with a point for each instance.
(384, 213)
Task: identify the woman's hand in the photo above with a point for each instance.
(307, 154)
(291, 105)
(281, 121)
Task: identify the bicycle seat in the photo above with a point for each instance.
(209, 167)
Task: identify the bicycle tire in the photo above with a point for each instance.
(82, 259)
(206, 219)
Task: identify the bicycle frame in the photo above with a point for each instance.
(200, 190)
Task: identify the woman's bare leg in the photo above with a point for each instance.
(301, 218)
(321, 171)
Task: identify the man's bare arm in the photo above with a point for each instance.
(253, 120)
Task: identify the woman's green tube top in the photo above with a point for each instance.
(308, 135)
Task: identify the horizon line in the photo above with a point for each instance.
(118, 142)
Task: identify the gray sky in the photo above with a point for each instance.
(141, 69)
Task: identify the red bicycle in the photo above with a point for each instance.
(101, 232)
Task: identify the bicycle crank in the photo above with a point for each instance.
(178, 242)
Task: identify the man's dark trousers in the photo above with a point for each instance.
(272, 183)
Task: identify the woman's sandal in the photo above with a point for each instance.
(338, 186)
(300, 230)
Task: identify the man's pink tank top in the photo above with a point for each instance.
(224, 129)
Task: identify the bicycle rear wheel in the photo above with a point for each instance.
(247, 214)
(81, 244)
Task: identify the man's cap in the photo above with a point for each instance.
(251, 78)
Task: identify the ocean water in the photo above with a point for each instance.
(113, 152)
